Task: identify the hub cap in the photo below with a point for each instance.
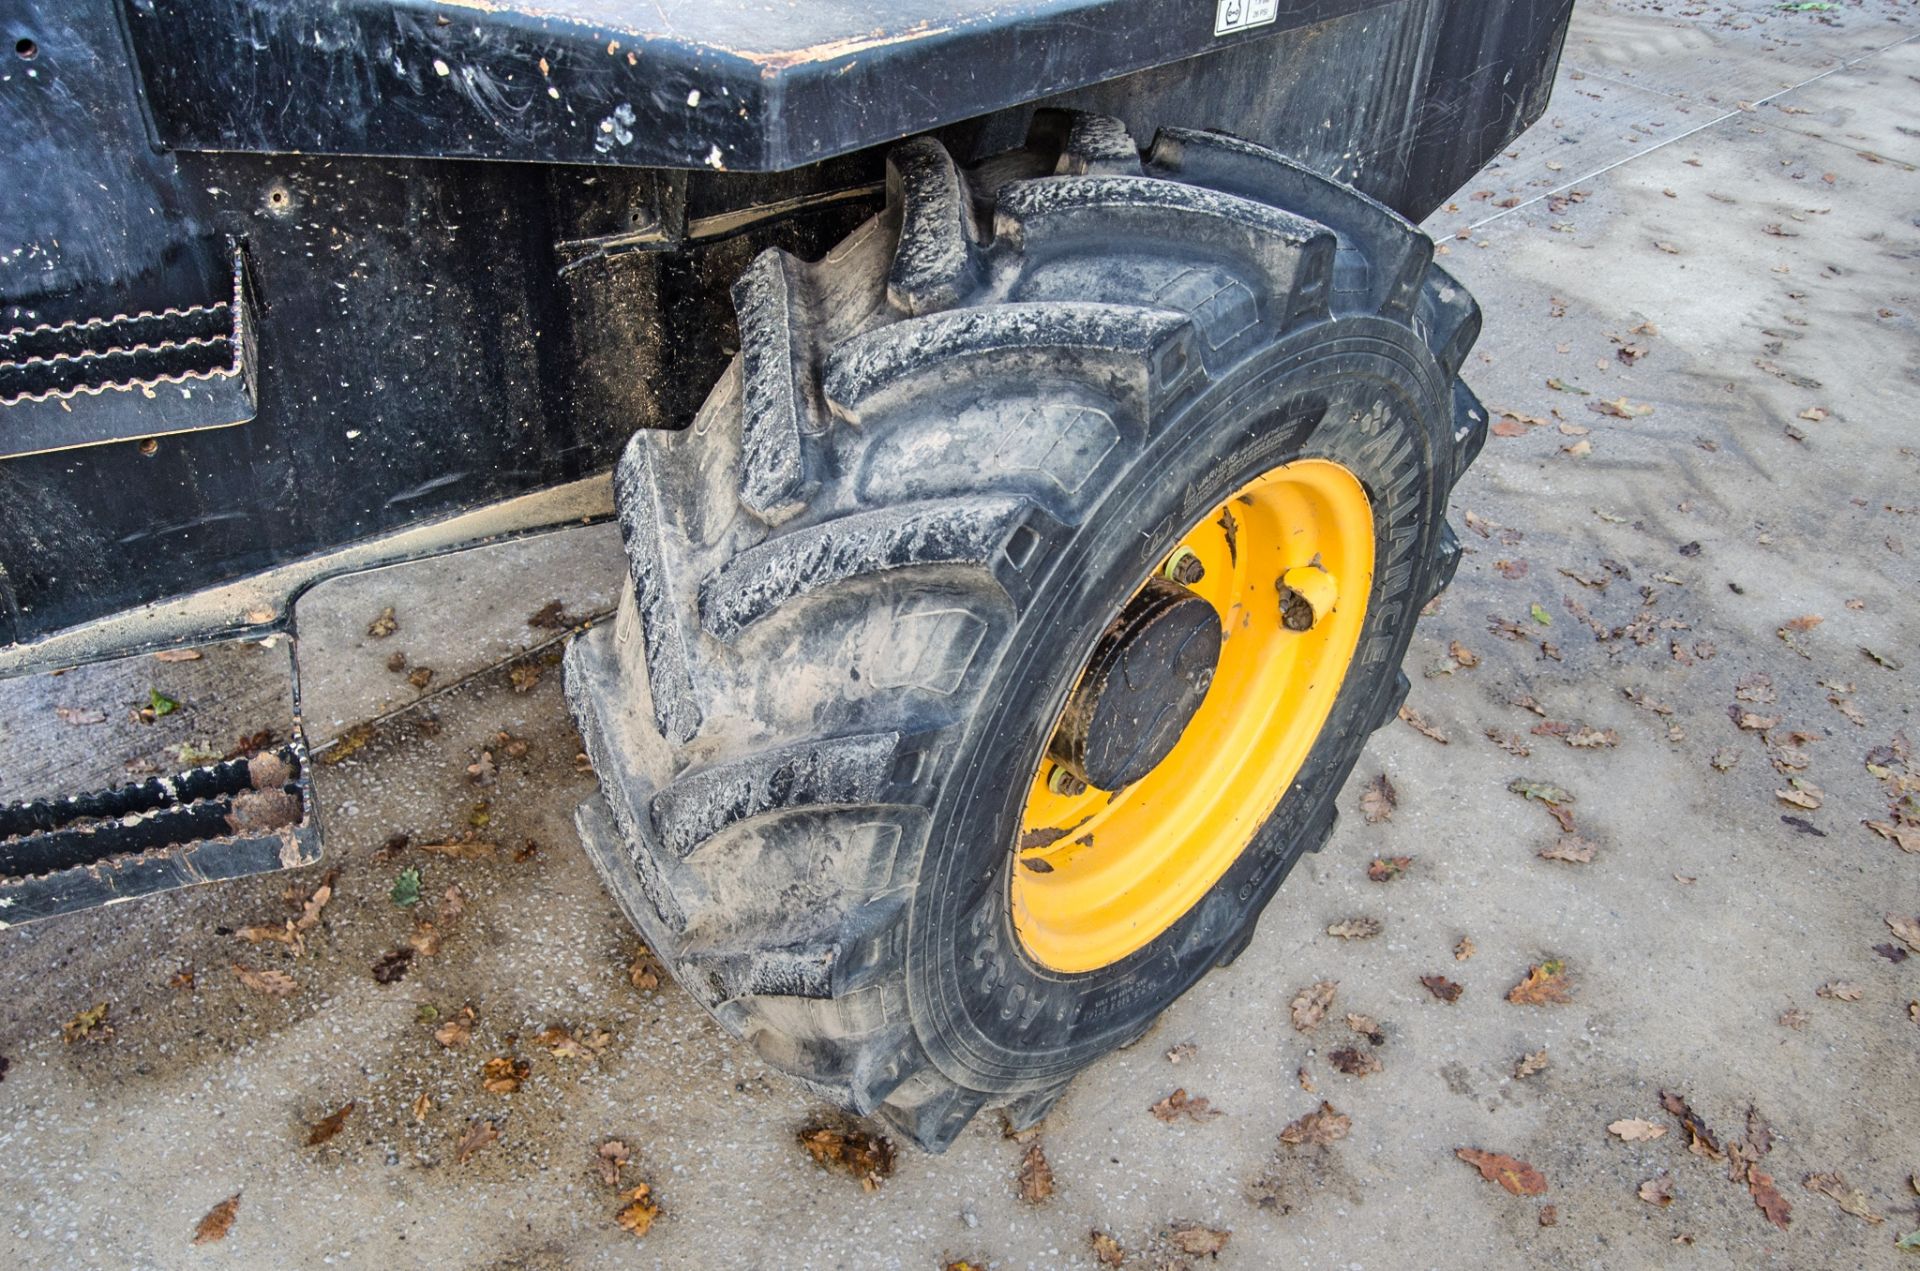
(1196, 709)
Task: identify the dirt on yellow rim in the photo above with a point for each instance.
(1287, 565)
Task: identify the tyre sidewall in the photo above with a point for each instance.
(1364, 393)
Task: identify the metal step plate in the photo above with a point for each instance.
(129, 376)
(190, 767)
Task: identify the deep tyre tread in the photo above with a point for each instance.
(770, 304)
(859, 580)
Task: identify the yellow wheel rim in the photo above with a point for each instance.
(1287, 563)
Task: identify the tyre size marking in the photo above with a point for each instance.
(1241, 15)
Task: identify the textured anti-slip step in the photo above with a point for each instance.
(128, 376)
(241, 816)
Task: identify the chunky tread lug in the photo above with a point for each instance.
(939, 532)
(1031, 1109)
(1089, 145)
(1470, 421)
(825, 772)
(637, 497)
(770, 303)
(1390, 252)
(1450, 553)
(1292, 256)
(934, 264)
(1449, 318)
(1140, 354)
(849, 958)
(1394, 698)
(774, 857)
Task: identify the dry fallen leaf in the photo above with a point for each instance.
(272, 983)
(563, 1045)
(384, 625)
(1700, 1140)
(1808, 797)
(1839, 991)
(1106, 1250)
(1572, 848)
(1908, 929)
(1355, 1062)
(1516, 1176)
(218, 1222)
(1035, 1179)
(328, 1126)
(1464, 950)
(457, 1030)
(611, 1156)
(1768, 1198)
(393, 966)
(644, 972)
(1192, 1238)
(1384, 869)
(1635, 1130)
(1184, 1051)
(1318, 1128)
(1368, 1027)
(1378, 800)
(1658, 1190)
(1310, 1004)
(1178, 1105)
(1545, 984)
(503, 1074)
(638, 1213)
(462, 849)
(1443, 988)
(853, 1152)
(1850, 1199)
(479, 1136)
(1905, 837)
(1355, 928)
(1531, 1063)
(1420, 725)
(88, 1025)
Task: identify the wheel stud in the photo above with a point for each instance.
(1184, 567)
(1307, 594)
(1062, 782)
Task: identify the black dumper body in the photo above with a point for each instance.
(280, 276)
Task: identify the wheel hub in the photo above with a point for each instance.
(1148, 675)
(1192, 716)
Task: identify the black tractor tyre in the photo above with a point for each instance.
(865, 579)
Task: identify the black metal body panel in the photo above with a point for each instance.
(737, 85)
(435, 335)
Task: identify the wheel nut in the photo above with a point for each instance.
(1062, 782)
(1307, 594)
(1184, 567)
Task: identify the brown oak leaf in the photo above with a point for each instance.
(480, 1135)
(1319, 1128)
(1310, 1004)
(1035, 1179)
(1516, 1176)
(218, 1222)
(856, 1153)
(1192, 1238)
(638, 1213)
(1179, 1104)
(328, 1126)
(1545, 984)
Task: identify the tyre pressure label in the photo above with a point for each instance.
(1240, 15)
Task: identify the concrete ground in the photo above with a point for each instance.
(1716, 220)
